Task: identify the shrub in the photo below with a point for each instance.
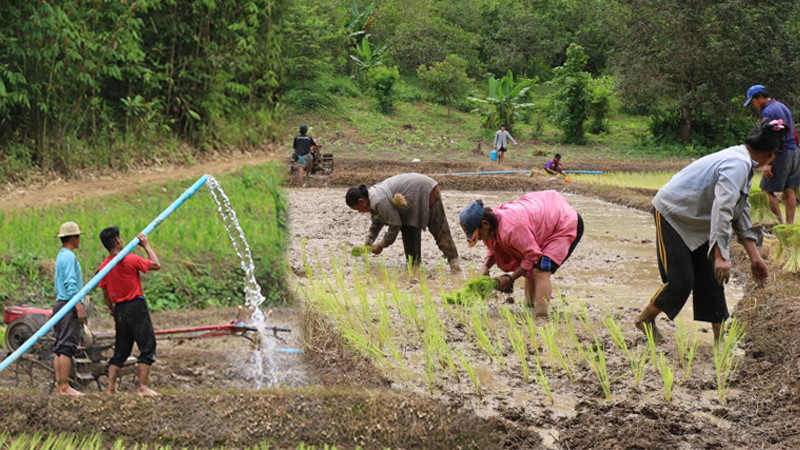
(600, 104)
(570, 104)
(381, 80)
(447, 79)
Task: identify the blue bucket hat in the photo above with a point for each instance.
(755, 89)
(470, 219)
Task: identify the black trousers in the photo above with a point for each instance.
(133, 324)
(684, 272)
(438, 227)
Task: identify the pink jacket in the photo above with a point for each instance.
(536, 224)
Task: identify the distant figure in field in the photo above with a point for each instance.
(501, 139)
(696, 215)
(67, 331)
(302, 151)
(783, 174)
(122, 292)
(554, 166)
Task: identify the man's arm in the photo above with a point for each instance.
(510, 137)
(108, 301)
(151, 255)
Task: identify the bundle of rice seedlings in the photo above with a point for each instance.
(399, 202)
(781, 233)
(361, 250)
(792, 248)
(759, 207)
(476, 289)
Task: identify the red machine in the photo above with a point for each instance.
(91, 356)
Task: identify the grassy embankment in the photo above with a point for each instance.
(200, 266)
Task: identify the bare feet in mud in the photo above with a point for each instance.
(147, 392)
(69, 392)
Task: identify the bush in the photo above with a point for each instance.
(381, 80)
(447, 79)
(708, 135)
(307, 99)
(600, 104)
(570, 106)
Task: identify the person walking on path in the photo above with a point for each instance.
(530, 237)
(694, 214)
(407, 203)
(783, 174)
(302, 152)
(122, 291)
(501, 138)
(67, 331)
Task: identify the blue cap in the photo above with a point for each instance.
(755, 89)
(470, 219)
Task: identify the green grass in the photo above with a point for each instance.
(200, 265)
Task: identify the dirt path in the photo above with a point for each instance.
(59, 190)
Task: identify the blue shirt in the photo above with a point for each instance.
(777, 110)
(68, 275)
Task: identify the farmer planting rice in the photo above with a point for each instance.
(407, 203)
(122, 291)
(530, 237)
(694, 214)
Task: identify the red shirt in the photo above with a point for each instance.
(123, 282)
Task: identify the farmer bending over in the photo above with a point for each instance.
(407, 203)
(554, 166)
(302, 151)
(122, 291)
(67, 331)
(530, 237)
(694, 214)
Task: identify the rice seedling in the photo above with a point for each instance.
(361, 250)
(759, 207)
(541, 379)
(476, 320)
(596, 359)
(548, 334)
(725, 361)
(474, 290)
(792, 246)
(476, 382)
(517, 340)
(690, 356)
(667, 377)
(781, 233)
(531, 328)
(616, 335)
(651, 343)
(639, 364)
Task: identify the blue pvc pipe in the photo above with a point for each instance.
(99, 276)
(590, 172)
(503, 172)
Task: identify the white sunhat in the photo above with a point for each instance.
(69, 229)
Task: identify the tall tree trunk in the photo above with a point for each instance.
(685, 126)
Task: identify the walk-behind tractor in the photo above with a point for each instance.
(322, 163)
(91, 358)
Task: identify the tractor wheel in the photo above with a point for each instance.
(22, 328)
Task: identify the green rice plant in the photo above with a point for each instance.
(476, 320)
(667, 377)
(517, 340)
(474, 290)
(725, 360)
(548, 333)
(759, 207)
(541, 379)
(690, 356)
(436, 335)
(532, 333)
(597, 361)
(651, 343)
(639, 364)
(792, 246)
(781, 233)
(616, 335)
(476, 382)
(681, 341)
(361, 250)
(585, 321)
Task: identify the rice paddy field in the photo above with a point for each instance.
(394, 357)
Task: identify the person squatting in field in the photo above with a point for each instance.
(694, 214)
(530, 237)
(67, 331)
(122, 292)
(407, 203)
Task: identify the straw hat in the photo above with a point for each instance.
(69, 229)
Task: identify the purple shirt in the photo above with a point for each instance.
(777, 110)
(552, 164)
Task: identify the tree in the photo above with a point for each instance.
(570, 106)
(382, 80)
(447, 79)
(505, 103)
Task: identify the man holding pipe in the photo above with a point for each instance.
(67, 331)
(122, 291)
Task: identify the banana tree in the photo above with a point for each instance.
(359, 22)
(505, 103)
(366, 58)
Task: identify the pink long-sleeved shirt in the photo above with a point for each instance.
(536, 224)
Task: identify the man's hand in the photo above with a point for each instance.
(82, 319)
(759, 268)
(722, 270)
(377, 249)
(768, 171)
(505, 283)
(142, 240)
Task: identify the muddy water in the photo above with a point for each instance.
(614, 266)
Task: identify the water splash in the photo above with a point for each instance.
(264, 366)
